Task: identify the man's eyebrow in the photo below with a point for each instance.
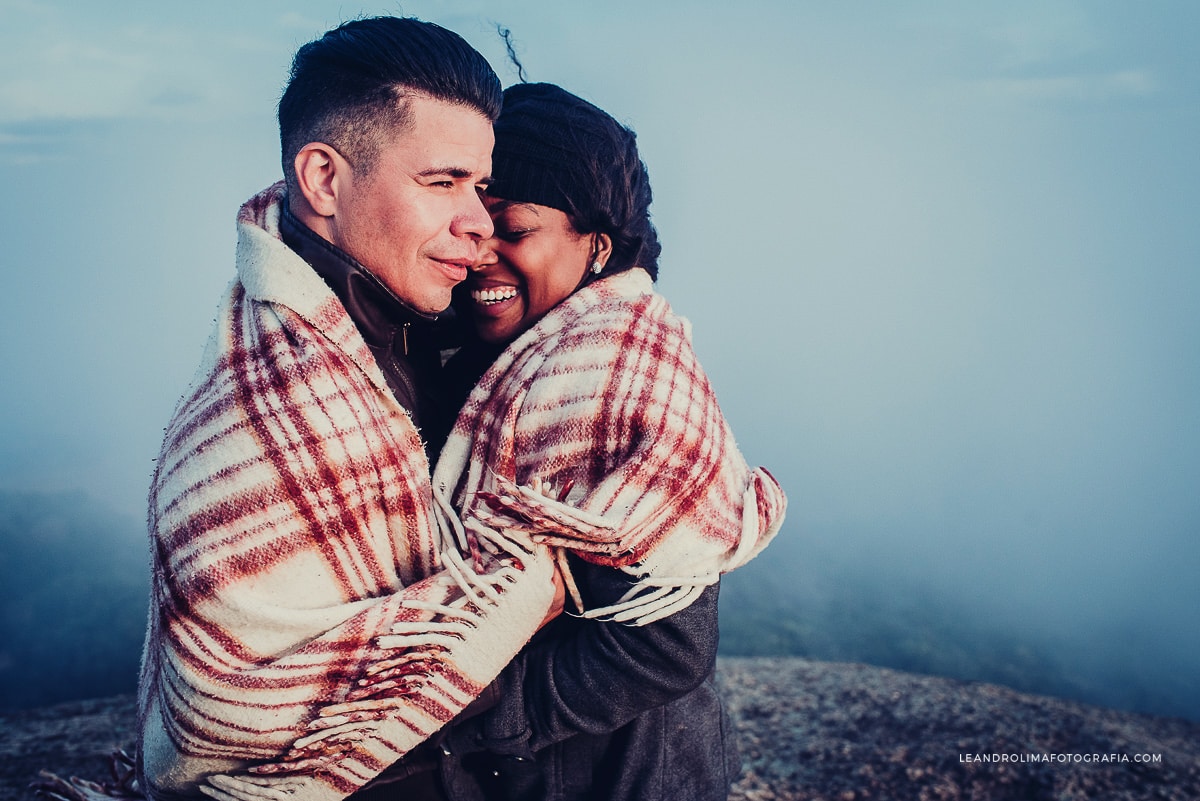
(452, 172)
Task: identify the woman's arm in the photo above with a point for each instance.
(589, 676)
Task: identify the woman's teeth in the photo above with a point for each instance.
(489, 296)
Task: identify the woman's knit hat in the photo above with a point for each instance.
(558, 150)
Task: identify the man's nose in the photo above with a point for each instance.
(473, 219)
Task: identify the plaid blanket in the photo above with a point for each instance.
(308, 627)
(597, 432)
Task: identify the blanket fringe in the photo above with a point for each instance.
(122, 785)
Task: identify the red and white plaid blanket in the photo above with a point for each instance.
(305, 631)
(597, 431)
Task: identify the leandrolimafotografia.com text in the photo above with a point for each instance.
(1072, 758)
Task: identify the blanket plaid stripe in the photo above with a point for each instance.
(597, 431)
(305, 630)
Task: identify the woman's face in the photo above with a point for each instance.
(534, 260)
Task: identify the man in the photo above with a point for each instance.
(304, 633)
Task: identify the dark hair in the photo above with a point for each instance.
(555, 149)
(347, 88)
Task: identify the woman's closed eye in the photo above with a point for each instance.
(512, 234)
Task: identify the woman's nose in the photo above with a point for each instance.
(485, 257)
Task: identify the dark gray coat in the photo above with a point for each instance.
(602, 712)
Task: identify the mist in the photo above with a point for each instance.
(942, 265)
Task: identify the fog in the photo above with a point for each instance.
(942, 263)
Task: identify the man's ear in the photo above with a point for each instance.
(320, 173)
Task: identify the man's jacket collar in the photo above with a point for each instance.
(375, 309)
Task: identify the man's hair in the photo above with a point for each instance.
(348, 88)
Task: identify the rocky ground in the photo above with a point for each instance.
(809, 731)
(840, 732)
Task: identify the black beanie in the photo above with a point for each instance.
(540, 136)
(558, 150)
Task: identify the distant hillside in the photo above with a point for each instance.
(809, 731)
(73, 591)
(819, 605)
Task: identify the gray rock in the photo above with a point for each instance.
(848, 732)
(809, 731)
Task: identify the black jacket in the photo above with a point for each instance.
(602, 712)
(406, 344)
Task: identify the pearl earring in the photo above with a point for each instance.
(597, 267)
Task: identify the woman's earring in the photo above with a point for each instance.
(597, 267)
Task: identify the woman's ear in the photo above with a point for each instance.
(320, 173)
(601, 249)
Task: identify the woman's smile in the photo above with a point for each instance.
(493, 296)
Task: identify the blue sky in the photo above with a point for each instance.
(942, 259)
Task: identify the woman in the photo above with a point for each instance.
(594, 430)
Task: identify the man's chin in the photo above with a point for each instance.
(432, 304)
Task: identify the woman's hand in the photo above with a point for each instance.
(560, 598)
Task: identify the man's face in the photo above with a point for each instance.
(417, 219)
